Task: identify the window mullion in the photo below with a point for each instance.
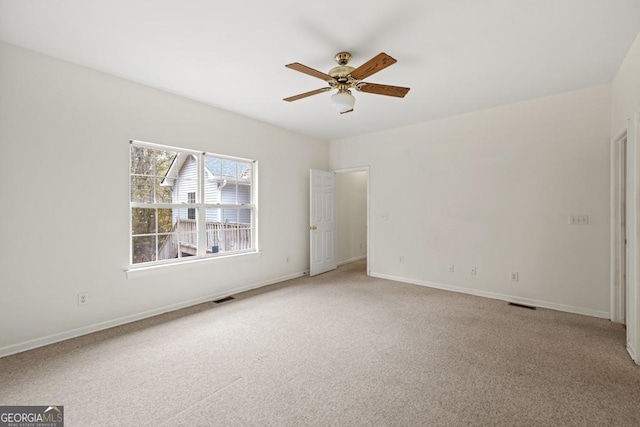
(254, 206)
(201, 211)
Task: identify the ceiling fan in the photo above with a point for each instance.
(343, 78)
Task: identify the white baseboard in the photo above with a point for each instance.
(502, 297)
(62, 336)
(632, 353)
(349, 261)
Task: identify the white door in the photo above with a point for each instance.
(322, 222)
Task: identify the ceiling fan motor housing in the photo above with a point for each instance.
(341, 73)
(343, 58)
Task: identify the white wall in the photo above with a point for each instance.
(494, 189)
(625, 89)
(351, 200)
(64, 133)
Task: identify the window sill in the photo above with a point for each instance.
(151, 270)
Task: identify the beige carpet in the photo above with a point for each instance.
(338, 349)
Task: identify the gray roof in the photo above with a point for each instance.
(223, 169)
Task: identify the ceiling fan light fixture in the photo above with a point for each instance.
(343, 101)
(344, 77)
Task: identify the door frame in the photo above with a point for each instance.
(362, 169)
(632, 131)
(619, 257)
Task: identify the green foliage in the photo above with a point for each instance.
(147, 171)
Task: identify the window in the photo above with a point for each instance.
(188, 204)
(191, 199)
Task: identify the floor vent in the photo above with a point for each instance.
(221, 300)
(515, 304)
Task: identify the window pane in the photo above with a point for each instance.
(229, 169)
(144, 249)
(231, 183)
(167, 246)
(228, 194)
(228, 234)
(143, 221)
(183, 215)
(244, 194)
(164, 191)
(244, 172)
(182, 188)
(165, 220)
(229, 216)
(212, 185)
(213, 165)
(212, 191)
(188, 242)
(214, 215)
(142, 159)
(164, 159)
(142, 189)
(191, 198)
(244, 216)
(214, 231)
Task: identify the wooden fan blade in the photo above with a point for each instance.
(304, 95)
(310, 71)
(345, 112)
(372, 66)
(396, 91)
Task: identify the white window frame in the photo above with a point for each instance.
(199, 206)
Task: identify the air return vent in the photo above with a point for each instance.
(515, 304)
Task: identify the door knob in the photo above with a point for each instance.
(313, 227)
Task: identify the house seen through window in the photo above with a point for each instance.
(191, 199)
(189, 204)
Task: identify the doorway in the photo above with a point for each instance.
(352, 215)
(625, 241)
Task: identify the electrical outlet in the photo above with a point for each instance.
(515, 276)
(451, 268)
(83, 298)
(579, 219)
(474, 270)
(288, 259)
(401, 260)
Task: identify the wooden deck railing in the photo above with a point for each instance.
(221, 237)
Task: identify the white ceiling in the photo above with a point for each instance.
(455, 55)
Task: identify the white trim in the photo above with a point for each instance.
(201, 211)
(367, 170)
(349, 170)
(633, 355)
(633, 240)
(349, 261)
(255, 237)
(188, 150)
(73, 333)
(162, 146)
(146, 270)
(497, 296)
(618, 293)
